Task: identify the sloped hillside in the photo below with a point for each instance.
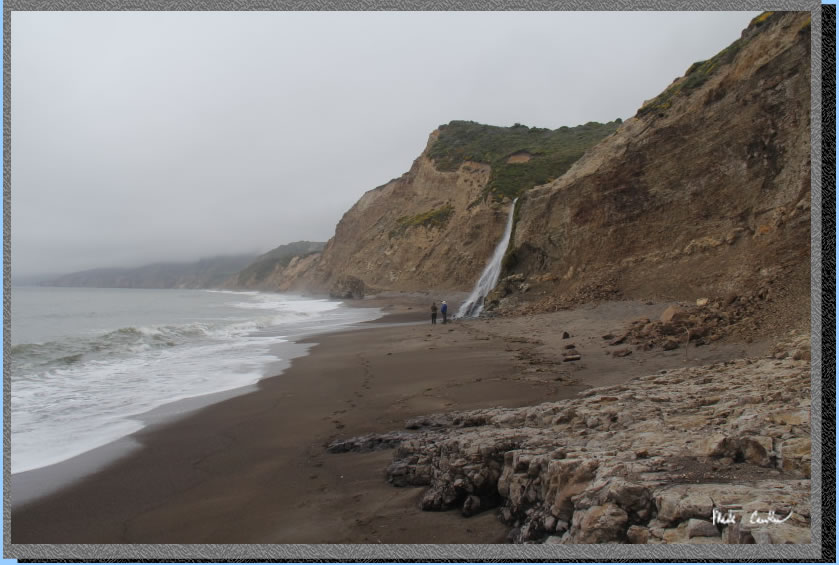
(272, 270)
(705, 192)
(206, 273)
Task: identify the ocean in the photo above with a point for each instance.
(87, 363)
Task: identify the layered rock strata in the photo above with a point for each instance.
(701, 194)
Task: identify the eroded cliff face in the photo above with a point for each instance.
(417, 232)
(705, 192)
(439, 243)
(435, 227)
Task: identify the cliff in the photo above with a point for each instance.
(705, 192)
(435, 226)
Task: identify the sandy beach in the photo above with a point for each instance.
(254, 468)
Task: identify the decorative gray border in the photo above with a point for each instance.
(427, 552)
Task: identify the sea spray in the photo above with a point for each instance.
(489, 278)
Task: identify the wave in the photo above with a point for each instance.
(37, 357)
(74, 393)
(29, 358)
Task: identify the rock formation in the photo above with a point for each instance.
(695, 455)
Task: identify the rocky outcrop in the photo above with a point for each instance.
(740, 315)
(700, 194)
(348, 286)
(714, 454)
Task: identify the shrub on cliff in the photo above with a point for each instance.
(435, 218)
(551, 152)
(699, 72)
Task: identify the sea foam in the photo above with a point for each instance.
(78, 392)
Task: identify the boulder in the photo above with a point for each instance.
(471, 506)
(795, 455)
(753, 449)
(637, 534)
(599, 524)
(680, 503)
(348, 287)
(697, 527)
(670, 344)
(669, 313)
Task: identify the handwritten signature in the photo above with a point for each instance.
(729, 517)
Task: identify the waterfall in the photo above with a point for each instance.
(489, 278)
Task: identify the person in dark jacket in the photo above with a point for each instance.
(443, 309)
(433, 312)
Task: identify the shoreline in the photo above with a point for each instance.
(254, 469)
(33, 484)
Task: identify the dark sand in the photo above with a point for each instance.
(253, 468)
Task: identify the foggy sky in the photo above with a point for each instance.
(143, 137)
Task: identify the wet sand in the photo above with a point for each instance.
(254, 469)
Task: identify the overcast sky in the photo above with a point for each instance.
(143, 137)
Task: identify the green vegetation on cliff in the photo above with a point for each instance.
(521, 157)
(699, 72)
(437, 217)
(265, 264)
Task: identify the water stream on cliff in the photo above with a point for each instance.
(489, 278)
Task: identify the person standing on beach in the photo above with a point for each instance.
(443, 309)
(433, 312)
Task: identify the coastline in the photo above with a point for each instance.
(254, 468)
(32, 484)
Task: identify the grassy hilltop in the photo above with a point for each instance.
(543, 154)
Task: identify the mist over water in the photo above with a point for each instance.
(86, 362)
(489, 278)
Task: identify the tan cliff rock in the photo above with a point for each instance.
(298, 267)
(436, 226)
(705, 192)
(373, 247)
(277, 269)
(371, 243)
